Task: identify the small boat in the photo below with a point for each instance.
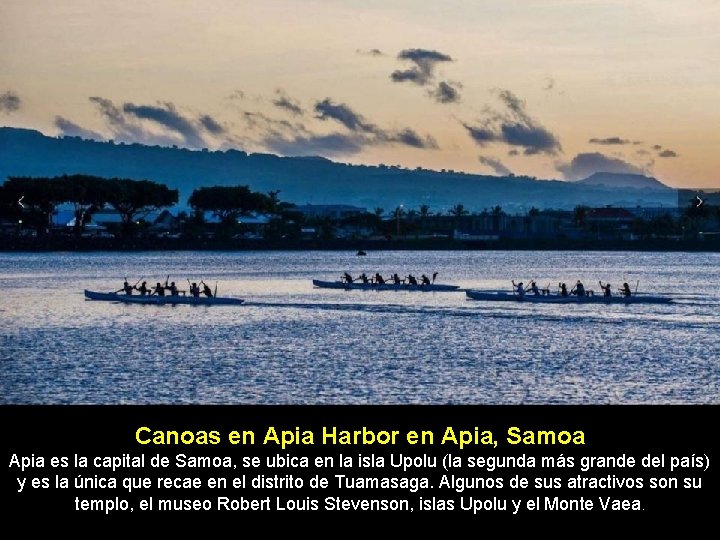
(495, 296)
(383, 286)
(163, 300)
(361, 253)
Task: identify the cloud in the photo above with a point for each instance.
(333, 144)
(261, 122)
(642, 152)
(609, 141)
(586, 164)
(370, 52)
(169, 117)
(236, 94)
(422, 72)
(327, 110)
(495, 165)
(513, 152)
(668, 154)
(9, 102)
(282, 101)
(481, 135)
(125, 129)
(336, 144)
(514, 127)
(211, 125)
(534, 138)
(657, 146)
(71, 129)
(446, 92)
(161, 124)
(549, 83)
(294, 138)
(409, 137)
(355, 122)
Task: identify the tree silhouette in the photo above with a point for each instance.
(88, 194)
(38, 198)
(497, 213)
(580, 215)
(228, 203)
(132, 197)
(458, 210)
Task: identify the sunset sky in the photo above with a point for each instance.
(553, 89)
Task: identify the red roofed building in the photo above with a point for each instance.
(609, 215)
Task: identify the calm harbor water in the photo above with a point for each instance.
(293, 344)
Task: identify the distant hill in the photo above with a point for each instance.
(307, 180)
(615, 180)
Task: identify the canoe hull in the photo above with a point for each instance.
(181, 300)
(94, 295)
(163, 300)
(384, 287)
(555, 299)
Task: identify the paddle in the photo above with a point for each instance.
(215, 293)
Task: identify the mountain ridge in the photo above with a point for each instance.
(307, 179)
(637, 181)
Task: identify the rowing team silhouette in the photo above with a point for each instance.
(578, 290)
(378, 279)
(196, 290)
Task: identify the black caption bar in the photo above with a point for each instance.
(369, 462)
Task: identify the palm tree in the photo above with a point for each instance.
(497, 213)
(581, 212)
(458, 210)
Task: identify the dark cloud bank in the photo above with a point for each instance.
(609, 141)
(294, 138)
(514, 127)
(71, 129)
(422, 73)
(161, 124)
(586, 164)
(283, 101)
(495, 165)
(10, 102)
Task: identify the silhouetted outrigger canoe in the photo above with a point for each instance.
(557, 299)
(93, 295)
(163, 300)
(383, 286)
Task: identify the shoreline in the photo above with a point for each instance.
(15, 244)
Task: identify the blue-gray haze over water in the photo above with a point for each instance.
(293, 344)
